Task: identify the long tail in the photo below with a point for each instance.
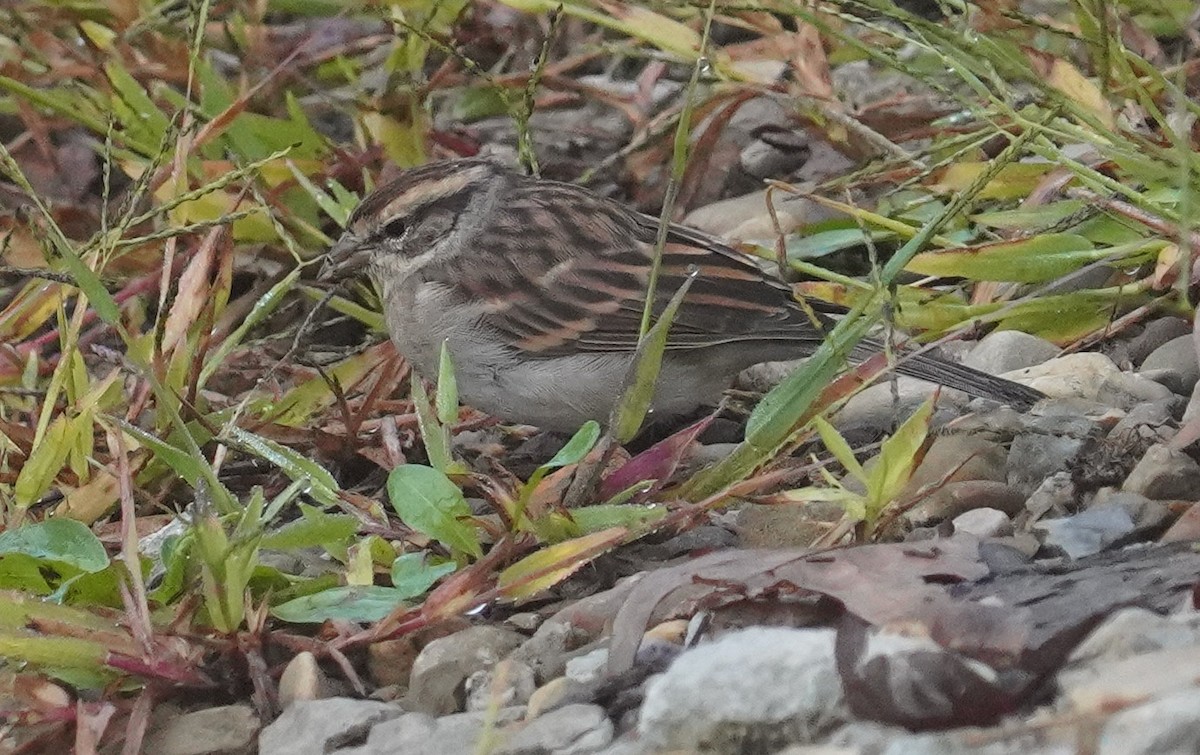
(958, 376)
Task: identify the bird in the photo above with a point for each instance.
(537, 288)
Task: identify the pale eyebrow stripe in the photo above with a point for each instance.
(432, 190)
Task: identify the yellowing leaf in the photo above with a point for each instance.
(1066, 78)
(1014, 181)
(551, 565)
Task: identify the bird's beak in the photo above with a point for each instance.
(346, 258)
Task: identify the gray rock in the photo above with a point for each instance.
(227, 730)
(438, 675)
(1056, 495)
(1082, 280)
(874, 411)
(1033, 457)
(1091, 376)
(1127, 633)
(1166, 726)
(1150, 518)
(588, 667)
(1087, 532)
(955, 498)
(1177, 355)
(422, 733)
(302, 679)
(757, 690)
(1164, 474)
(983, 523)
(504, 685)
(864, 738)
(1193, 406)
(318, 727)
(1005, 350)
(1154, 335)
(570, 730)
(960, 457)
(1148, 422)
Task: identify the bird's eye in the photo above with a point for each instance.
(395, 228)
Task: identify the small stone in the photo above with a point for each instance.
(984, 523)
(1085, 533)
(952, 458)
(1006, 350)
(506, 684)
(1165, 474)
(526, 621)
(571, 730)
(1186, 528)
(303, 679)
(227, 730)
(1147, 422)
(785, 525)
(875, 411)
(318, 727)
(955, 498)
(1033, 457)
(1056, 496)
(588, 667)
(1092, 376)
(1154, 335)
(1166, 725)
(559, 692)
(421, 733)
(390, 662)
(1193, 406)
(757, 690)
(1177, 355)
(439, 672)
(1127, 632)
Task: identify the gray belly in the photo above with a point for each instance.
(560, 393)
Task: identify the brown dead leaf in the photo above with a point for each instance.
(879, 583)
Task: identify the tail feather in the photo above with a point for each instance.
(959, 377)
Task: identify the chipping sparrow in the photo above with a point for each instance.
(538, 288)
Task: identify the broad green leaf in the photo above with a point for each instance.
(1065, 318)
(413, 575)
(1030, 218)
(430, 503)
(308, 398)
(181, 462)
(63, 541)
(53, 652)
(577, 447)
(814, 245)
(133, 106)
(575, 450)
(313, 528)
(24, 573)
(327, 203)
(359, 604)
(1031, 260)
(601, 517)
